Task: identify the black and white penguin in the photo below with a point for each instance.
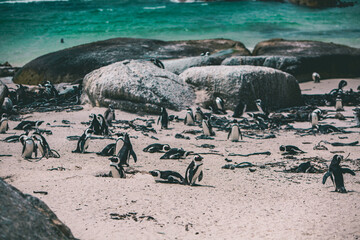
(189, 118)
(207, 128)
(220, 105)
(116, 169)
(194, 171)
(83, 142)
(50, 90)
(28, 124)
(167, 176)
(157, 147)
(235, 132)
(290, 149)
(109, 115)
(314, 118)
(104, 129)
(336, 173)
(262, 107)
(126, 151)
(28, 146)
(157, 63)
(199, 115)
(339, 103)
(205, 54)
(240, 109)
(109, 150)
(7, 105)
(4, 123)
(118, 145)
(95, 124)
(41, 145)
(163, 119)
(316, 77)
(175, 153)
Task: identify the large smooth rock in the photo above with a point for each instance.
(74, 63)
(328, 59)
(136, 86)
(248, 83)
(23, 216)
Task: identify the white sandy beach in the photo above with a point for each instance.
(229, 204)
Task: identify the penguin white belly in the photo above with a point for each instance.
(338, 105)
(196, 175)
(314, 119)
(198, 117)
(41, 149)
(114, 171)
(4, 126)
(234, 136)
(189, 119)
(206, 130)
(86, 144)
(29, 149)
(118, 146)
(357, 120)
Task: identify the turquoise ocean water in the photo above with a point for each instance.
(31, 28)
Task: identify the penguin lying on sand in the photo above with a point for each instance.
(157, 147)
(167, 176)
(175, 153)
(336, 173)
(290, 149)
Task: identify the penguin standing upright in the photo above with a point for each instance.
(220, 105)
(116, 169)
(336, 173)
(109, 115)
(126, 151)
(163, 119)
(118, 145)
(104, 129)
(314, 117)
(28, 146)
(189, 118)
(42, 145)
(338, 103)
(199, 115)
(262, 108)
(7, 105)
(207, 128)
(4, 125)
(316, 77)
(240, 109)
(357, 116)
(235, 132)
(83, 142)
(95, 124)
(194, 171)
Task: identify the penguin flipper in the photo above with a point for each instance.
(201, 175)
(185, 119)
(240, 134)
(133, 155)
(229, 134)
(347, 170)
(327, 174)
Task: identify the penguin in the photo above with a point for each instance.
(207, 128)
(95, 124)
(167, 176)
(199, 115)
(83, 142)
(357, 116)
(175, 153)
(194, 171)
(342, 84)
(189, 118)
(50, 90)
(290, 149)
(28, 124)
(336, 173)
(314, 117)
(104, 129)
(163, 119)
(7, 105)
(41, 144)
(240, 109)
(109, 115)
(316, 77)
(157, 147)
(157, 63)
(126, 151)
(205, 54)
(262, 107)
(116, 169)
(4, 125)
(28, 146)
(338, 103)
(118, 145)
(109, 150)
(235, 132)
(220, 105)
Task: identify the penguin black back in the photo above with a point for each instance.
(126, 151)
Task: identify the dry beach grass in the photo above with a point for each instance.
(229, 204)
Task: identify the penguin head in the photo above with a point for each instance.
(166, 147)
(198, 158)
(336, 160)
(258, 102)
(317, 112)
(155, 173)
(342, 84)
(88, 131)
(282, 148)
(4, 115)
